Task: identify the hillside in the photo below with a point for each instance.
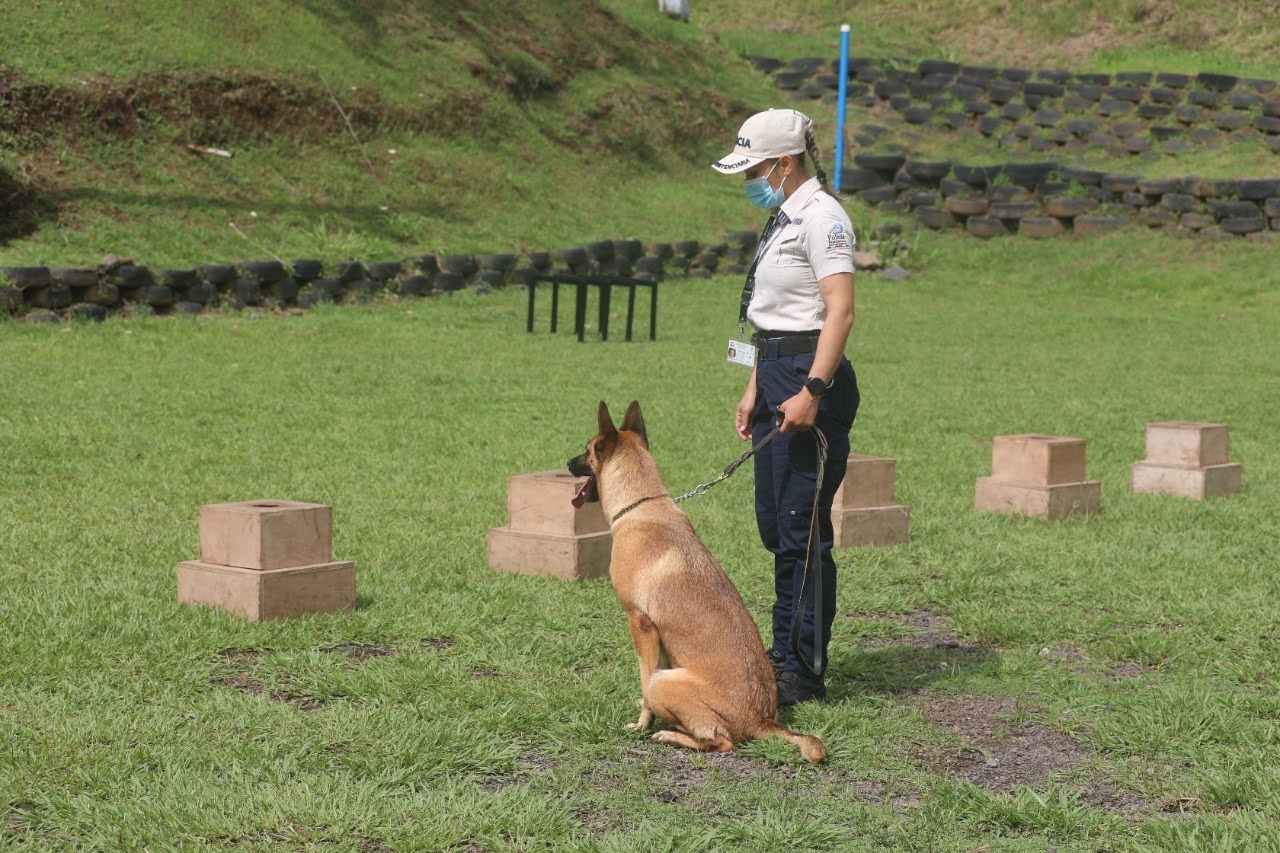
(381, 129)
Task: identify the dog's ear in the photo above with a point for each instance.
(606, 422)
(633, 421)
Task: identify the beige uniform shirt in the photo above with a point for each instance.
(816, 241)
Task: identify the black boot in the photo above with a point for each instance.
(796, 687)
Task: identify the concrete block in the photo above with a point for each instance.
(568, 557)
(1053, 501)
(266, 534)
(1184, 481)
(260, 594)
(1038, 460)
(1191, 444)
(875, 526)
(540, 503)
(868, 482)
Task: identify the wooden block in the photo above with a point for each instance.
(1039, 460)
(569, 557)
(1181, 443)
(876, 526)
(540, 503)
(1185, 482)
(1054, 501)
(868, 482)
(260, 594)
(266, 534)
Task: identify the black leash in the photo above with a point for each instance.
(811, 583)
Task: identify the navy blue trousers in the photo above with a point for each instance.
(786, 479)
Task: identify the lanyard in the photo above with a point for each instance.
(776, 223)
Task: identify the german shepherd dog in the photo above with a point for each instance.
(702, 665)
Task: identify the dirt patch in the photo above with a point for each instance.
(438, 644)
(1000, 754)
(995, 752)
(533, 765)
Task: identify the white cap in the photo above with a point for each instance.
(765, 136)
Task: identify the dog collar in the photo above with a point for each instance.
(628, 509)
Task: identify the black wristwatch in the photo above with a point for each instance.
(816, 386)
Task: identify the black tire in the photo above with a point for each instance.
(90, 313)
(414, 285)
(574, 258)
(917, 115)
(40, 317)
(922, 198)
(1173, 81)
(1223, 210)
(600, 251)
(630, 250)
(879, 195)
(220, 275)
(687, 248)
(425, 264)
(105, 294)
(1244, 225)
(1132, 94)
(1160, 186)
(661, 250)
(1087, 91)
(1068, 207)
(706, 260)
(938, 66)
(1094, 79)
(1165, 95)
(387, 270)
(1002, 93)
(986, 227)
(1153, 112)
(790, 80)
(928, 170)
(765, 64)
(1029, 174)
(539, 261)
(884, 163)
(650, 264)
(1112, 107)
(203, 293)
(180, 280)
(978, 107)
(977, 176)
(53, 296)
(491, 278)
(158, 296)
(187, 307)
(74, 277)
(1258, 189)
(1040, 227)
(1204, 98)
(447, 281)
(307, 269)
(1044, 89)
(349, 271)
(24, 278)
(935, 217)
(247, 291)
(1217, 82)
(266, 272)
(286, 290)
(1118, 182)
(326, 290)
(990, 125)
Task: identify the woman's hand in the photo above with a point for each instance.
(747, 405)
(799, 413)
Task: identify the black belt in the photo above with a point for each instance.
(784, 343)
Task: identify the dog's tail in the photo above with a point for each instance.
(810, 747)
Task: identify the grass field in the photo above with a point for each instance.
(1119, 670)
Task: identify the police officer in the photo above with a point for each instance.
(799, 298)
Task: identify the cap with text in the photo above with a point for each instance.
(765, 136)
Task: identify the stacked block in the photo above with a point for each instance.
(546, 535)
(1187, 460)
(1038, 475)
(267, 559)
(863, 512)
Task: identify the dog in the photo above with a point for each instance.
(703, 667)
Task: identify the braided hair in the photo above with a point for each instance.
(811, 146)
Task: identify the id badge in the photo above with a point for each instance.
(742, 352)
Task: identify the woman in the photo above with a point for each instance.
(799, 298)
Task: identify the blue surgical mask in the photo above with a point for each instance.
(761, 194)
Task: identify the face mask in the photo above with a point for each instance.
(761, 194)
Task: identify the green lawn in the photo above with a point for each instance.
(1142, 640)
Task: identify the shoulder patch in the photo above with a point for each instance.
(837, 237)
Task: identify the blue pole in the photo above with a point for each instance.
(840, 101)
